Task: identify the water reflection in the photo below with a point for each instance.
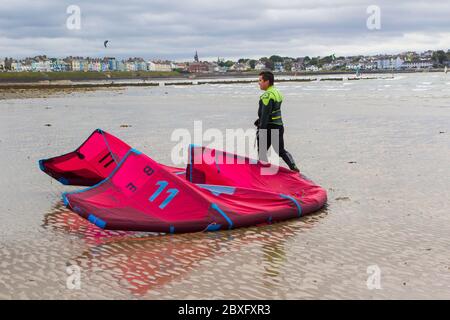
(274, 246)
(139, 262)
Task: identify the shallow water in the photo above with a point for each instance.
(380, 148)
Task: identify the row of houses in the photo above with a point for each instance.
(43, 64)
(396, 63)
(390, 63)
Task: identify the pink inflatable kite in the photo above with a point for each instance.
(217, 190)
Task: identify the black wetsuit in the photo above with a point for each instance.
(269, 118)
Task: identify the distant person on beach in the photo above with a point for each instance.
(269, 121)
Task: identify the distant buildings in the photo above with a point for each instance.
(260, 66)
(198, 67)
(390, 63)
(181, 66)
(404, 60)
(160, 66)
(80, 64)
(312, 68)
(427, 54)
(77, 64)
(298, 65)
(278, 67)
(333, 66)
(239, 67)
(399, 63)
(112, 63)
(418, 64)
(135, 64)
(59, 65)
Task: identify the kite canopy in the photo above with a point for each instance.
(90, 163)
(218, 190)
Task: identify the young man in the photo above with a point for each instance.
(269, 118)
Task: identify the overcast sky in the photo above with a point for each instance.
(228, 29)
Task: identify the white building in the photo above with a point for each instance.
(332, 65)
(238, 67)
(26, 66)
(41, 65)
(158, 66)
(260, 66)
(79, 65)
(418, 64)
(222, 69)
(130, 66)
(390, 63)
(312, 68)
(353, 66)
(178, 65)
(75, 65)
(369, 65)
(120, 66)
(16, 66)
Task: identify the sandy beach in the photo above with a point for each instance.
(11, 93)
(45, 89)
(380, 147)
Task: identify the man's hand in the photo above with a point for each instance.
(256, 123)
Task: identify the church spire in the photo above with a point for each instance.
(196, 56)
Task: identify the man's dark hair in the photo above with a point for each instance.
(267, 75)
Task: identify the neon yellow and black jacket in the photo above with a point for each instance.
(269, 112)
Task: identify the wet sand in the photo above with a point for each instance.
(381, 148)
(24, 92)
(46, 89)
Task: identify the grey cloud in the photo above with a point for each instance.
(175, 29)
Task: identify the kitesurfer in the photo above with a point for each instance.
(269, 122)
